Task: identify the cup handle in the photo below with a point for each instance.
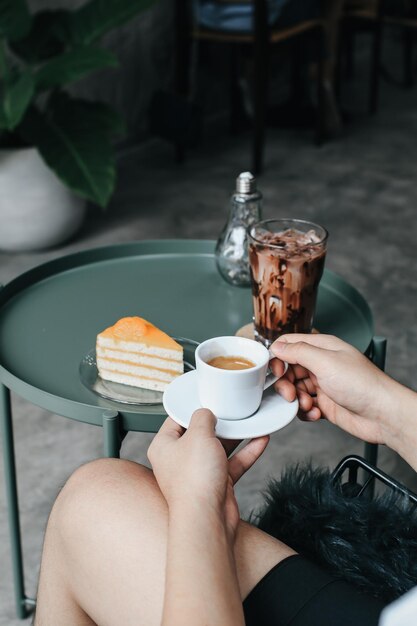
(271, 378)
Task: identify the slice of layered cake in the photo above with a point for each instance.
(135, 352)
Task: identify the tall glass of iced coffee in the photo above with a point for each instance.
(286, 261)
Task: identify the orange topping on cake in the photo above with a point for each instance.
(136, 329)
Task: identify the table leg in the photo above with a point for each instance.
(113, 434)
(378, 354)
(12, 501)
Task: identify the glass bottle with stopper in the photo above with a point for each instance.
(232, 246)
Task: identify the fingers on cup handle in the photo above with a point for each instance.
(278, 368)
(286, 389)
(301, 353)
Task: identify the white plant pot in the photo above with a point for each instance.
(37, 211)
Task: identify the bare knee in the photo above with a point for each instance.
(107, 474)
(101, 489)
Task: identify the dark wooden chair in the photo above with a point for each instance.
(373, 16)
(262, 37)
(407, 23)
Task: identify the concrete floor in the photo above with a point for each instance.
(361, 187)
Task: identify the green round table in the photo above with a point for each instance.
(50, 316)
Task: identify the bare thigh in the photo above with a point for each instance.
(105, 550)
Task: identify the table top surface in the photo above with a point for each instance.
(50, 316)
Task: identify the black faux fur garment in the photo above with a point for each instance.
(372, 544)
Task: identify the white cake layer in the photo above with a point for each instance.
(144, 383)
(141, 359)
(135, 370)
(132, 346)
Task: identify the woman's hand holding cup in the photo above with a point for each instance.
(334, 380)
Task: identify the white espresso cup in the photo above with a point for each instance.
(232, 394)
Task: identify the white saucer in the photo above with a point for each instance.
(180, 400)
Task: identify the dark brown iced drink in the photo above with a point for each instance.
(286, 261)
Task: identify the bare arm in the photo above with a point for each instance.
(196, 478)
(401, 423)
(201, 580)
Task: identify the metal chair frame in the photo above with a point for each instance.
(353, 463)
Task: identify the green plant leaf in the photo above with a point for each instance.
(72, 66)
(15, 19)
(47, 37)
(75, 146)
(16, 97)
(97, 17)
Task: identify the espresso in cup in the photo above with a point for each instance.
(231, 363)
